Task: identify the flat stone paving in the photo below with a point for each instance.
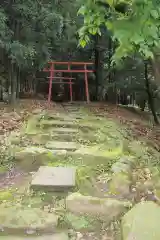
(76, 116)
(54, 178)
(73, 110)
(70, 146)
(56, 236)
(64, 130)
(57, 123)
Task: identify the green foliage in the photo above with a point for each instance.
(5, 32)
(31, 30)
(134, 31)
(92, 21)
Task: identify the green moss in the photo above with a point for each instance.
(113, 153)
(32, 125)
(6, 195)
(3, 169)
(32, 201)
(120, 184)
(96, 201)
(80, 222)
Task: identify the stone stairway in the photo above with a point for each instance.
(56, 236)
(58, 178)
(58, 131)
(73, 184)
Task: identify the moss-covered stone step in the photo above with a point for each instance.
(55, 134)
(20, 220)
(31, 151)
(63, 137)
(105, 209)
(99, 151)
(51, 123)
(30, 158)
(64, 130)
(142, 222)
(76, 124)
(59, 116)
(54, 178)
(56, 236)
(69, 146)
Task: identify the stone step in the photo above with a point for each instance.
(76, 116)
(41, 140)
(64, 130)
(63, 137)
(15, 219)
(63, 117)
(56, 236)
(50, 123)
(73, 110)
(31, 156)
(70, 146)
(54, 178)
(66, 134)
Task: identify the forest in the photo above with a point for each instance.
(121, 42)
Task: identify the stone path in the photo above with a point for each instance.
(52, 123)
(62, 151)
(46, 178)
(56, 236)
(58, 178)
(64, 130)
(70, 146)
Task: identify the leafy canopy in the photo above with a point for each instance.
(135, 30)
(31, 31)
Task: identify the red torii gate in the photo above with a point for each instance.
(53, 70)
(70, 83)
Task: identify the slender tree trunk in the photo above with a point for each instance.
(149, 93)
(18, 83)
(13, 83)
(96, 55)
(156, 68)
(98, 52)
(110, 53)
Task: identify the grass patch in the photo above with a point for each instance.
(6, 195)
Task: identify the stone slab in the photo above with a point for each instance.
(142, 222)
(56, 236)
(37, 151)
(64, 118)
(70, 146)
(49, 123)
(63, 137)
(15, 219)
(54, 178)
(64, 130)
(73, 109)
(77, 116)
(105, 209)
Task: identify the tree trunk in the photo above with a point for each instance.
(150, 97)
(110, 53)
(156, 69)
(18, 82)
(98, 63)
(13, 83)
